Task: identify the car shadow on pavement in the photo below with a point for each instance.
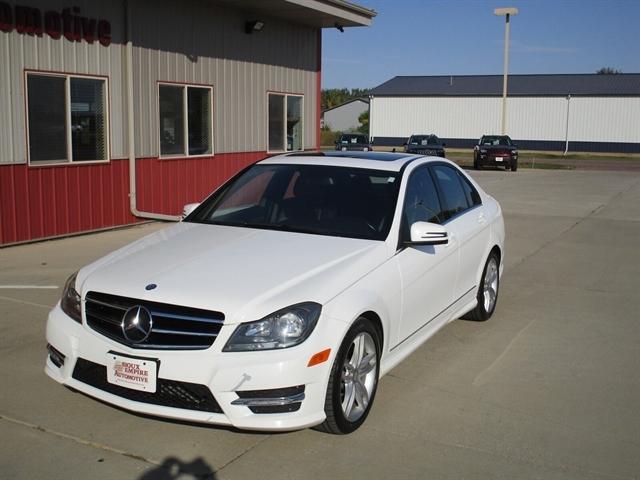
(173, 468)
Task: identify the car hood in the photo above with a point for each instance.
(425, 147)
(496, 148)
(243, 272)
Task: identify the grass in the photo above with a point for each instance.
(465, 162)
(548, 160)
(553, 155)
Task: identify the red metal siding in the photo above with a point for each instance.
(165, 186)
(40, 202)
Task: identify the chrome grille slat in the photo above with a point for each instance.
(175, 327)
(153, 346)
(186, 317)
(183, 332)
(110, 305)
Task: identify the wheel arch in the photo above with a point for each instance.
(376, 321)
(494, 249)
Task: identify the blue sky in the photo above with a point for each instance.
(463, 37)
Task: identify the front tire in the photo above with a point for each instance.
(514, 165)
(353, 380)
(487, 291)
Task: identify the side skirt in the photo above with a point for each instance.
(406, 347)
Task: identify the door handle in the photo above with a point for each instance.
(481, 218)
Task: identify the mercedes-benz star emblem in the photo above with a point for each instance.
(136, 324)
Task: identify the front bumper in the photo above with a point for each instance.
(503, 160)
(223, 374)
(427, 152)
(354, 148)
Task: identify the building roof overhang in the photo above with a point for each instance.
(316, 13)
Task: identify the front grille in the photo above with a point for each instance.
(169, 393)
(426, 151)
(174, 327)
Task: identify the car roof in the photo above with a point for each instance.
(371, 160)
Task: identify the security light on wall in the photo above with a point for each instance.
(253, 26)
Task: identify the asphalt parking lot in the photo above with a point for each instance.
(548, 388)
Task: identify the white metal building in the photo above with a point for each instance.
(345, 117)
(584, 112)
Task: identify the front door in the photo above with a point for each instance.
(428, 272)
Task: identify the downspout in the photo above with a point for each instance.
(131, 127)
(566, 133)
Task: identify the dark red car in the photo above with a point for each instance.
(495, 151)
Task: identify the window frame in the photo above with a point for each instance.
(185, 114)
(443, 200)
(405, 228)
(286, 103)
(68, 131)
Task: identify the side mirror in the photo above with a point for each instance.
(426, 233)
(188, 208)
(444, 144)
(404, 144)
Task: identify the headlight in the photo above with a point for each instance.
(282, 329)
(70, 301)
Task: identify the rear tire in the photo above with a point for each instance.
(487, 291)
(353, 380)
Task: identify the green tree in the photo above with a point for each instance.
(332, 97)
(364, 122)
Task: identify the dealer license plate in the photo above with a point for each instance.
(499, 159)
(132, 372)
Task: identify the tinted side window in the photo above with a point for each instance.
(451, 188)
(421, 202)
(473, 197)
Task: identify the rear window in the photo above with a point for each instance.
(424, 140)
(346, 139)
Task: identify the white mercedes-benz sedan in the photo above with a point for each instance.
(280, 301)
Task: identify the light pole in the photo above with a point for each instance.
(507, 12)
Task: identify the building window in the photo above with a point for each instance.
(285, 122)
(67, 119)
(185, 120)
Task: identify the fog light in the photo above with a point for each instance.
(56, 357)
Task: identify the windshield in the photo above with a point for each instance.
(496, 141)
(424, 140)
(316, 199)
